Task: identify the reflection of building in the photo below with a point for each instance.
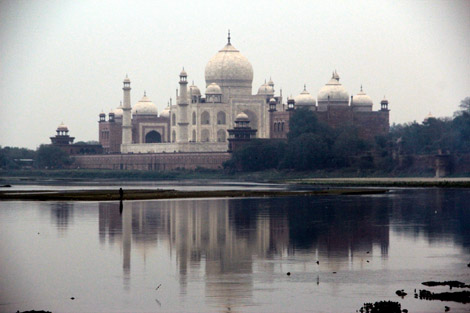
(229, 240)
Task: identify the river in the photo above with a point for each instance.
(234, 255)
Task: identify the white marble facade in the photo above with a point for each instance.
(200, 124)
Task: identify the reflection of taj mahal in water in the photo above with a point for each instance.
(197, 123)
(226, 238)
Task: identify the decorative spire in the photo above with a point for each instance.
(361, 87)
(228, 38)
(145, 93)
(305, 87)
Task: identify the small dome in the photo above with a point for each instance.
(270, 82)
(242, 117)
(362, 99)
(384, 101)
(183, 73)
(333, 90)
(127, 80)
(265, 89)
(118, 111)
(165, 113)
(272, 101)
(62, 127)
(194, 90)
(145, 106)
(213, 89)
(305, 99)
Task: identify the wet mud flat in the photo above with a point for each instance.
(147, 194)
(400, 182)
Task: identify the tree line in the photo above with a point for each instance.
(44, 157)
(312, 145)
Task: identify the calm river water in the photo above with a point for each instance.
(233, 255)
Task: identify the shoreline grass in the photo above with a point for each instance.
(322, 177)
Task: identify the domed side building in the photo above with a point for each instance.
(146, 125)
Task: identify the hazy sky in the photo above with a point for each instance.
(65, 60)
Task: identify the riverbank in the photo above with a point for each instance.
(451, 182)
(322, 178)
(145, 194)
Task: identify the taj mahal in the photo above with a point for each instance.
(198, 124)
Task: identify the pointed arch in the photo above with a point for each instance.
(205, 135)
(221, 118)
(221, 135)
(205, 118)
(153, 137)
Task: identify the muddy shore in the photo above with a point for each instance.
(448, 182)
(143, 194)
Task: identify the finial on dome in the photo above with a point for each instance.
(228, 38)
(305, 87)
(361, 87)
(145, 93)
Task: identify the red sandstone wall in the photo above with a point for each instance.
(152, 161)
(368, 124)
(115, 137)
(277, 118)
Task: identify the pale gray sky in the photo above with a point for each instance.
(65, 60)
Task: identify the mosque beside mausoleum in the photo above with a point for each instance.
(199, 130)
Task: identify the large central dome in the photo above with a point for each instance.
(230, 69)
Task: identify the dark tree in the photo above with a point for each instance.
(306, 152)
(52, 157)
(304, 121)
(257, 155)
(10, 155)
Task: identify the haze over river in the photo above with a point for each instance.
(233, 255)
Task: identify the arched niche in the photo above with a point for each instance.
(221, 120)
(205, 135)
(221, 135)
(205, 118)
(153, 137)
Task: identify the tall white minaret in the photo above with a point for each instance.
(182, 109)
(126, 113)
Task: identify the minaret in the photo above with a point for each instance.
(182, 109)
(126, 113)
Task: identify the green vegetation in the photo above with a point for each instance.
(48, 156)
(313, 146)
(433, 134)
(10, 157)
